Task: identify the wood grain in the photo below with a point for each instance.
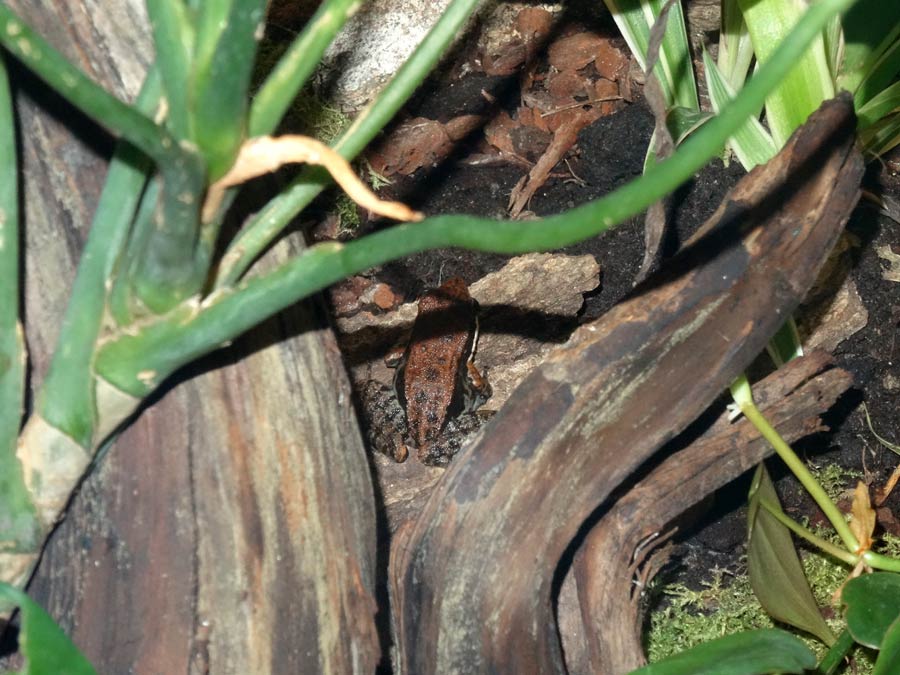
(231, 527)
(472, 577)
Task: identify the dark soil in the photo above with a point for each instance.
(609, 153)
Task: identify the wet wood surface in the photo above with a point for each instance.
(472, 577)
(231, 527)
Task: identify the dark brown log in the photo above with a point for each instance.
(609, 566)
(231, 527)
(472, 577)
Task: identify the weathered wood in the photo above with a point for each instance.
(231, 527)
(611, 559)
(471, 578)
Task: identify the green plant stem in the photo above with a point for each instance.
(495, 236)
(294, 68)
(18, 519)
(798, 468)
(802, 532)
(266, 227)
(81, 91)
(220, 86)
(881, 562)
(66, 398)
(836, 654)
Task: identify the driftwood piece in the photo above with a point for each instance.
(608, 567)
(472, 577)
(231, 527)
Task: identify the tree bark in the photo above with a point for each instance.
(231, 527)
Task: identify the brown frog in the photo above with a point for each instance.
(437, 385)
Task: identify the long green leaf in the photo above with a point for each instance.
(18, 525)
(278, 213)
(83, 92)
(46, 648)
(220, 87)
(881, 136)
(807, 84)
(776, 574)
(873, 605)
(751, 142)
(66, 398)
(735, 47)
(750, 653)
(298, 63)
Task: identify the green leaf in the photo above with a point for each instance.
(751, 143)
(880, 105)
(888, 662)
(809, 81)
(776, 574)
(173, 39)
(735, 47)
(881, 136)
(635, 18)
(220, 87)
(749, 653)
(873, 604)
(682, 122)
(870, 27)
(46, 648)
(18, 519)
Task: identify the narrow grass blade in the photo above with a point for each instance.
(751, 142)
(882, 72)
(46, 648)
(749, 653)
(776, 574)
(635, 18)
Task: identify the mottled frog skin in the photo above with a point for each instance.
(436, 385)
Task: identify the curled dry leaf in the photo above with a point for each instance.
(264, 154)
(862, 521)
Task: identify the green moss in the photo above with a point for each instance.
(835, 480)
(726, 604)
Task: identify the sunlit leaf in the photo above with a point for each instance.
(775, 572)
(873, 604)
(749, 653)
